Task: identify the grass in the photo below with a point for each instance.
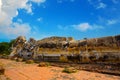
(69, 70)
(29, 62)
(19, 60)
(44, 64)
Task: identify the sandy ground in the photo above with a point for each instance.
(21, 71)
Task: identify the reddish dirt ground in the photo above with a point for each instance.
(21, 71)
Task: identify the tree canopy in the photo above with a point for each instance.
(5, 47)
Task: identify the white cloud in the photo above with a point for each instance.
(0, 4)
(9, 10)
(101, 5)
(105, 21)
(16, 29)
(89, 1)
(96, 26)
(86, 26)
(38, 1)
(59, 1)
(28, 7)
(115, 1)
(98, 4)
(40, 19)
(82, 26)
(19, 20)
(110, 22)
(61, 27)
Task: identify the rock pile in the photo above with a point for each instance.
(29, 49)
(23, 48)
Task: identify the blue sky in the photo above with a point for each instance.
(45, 18)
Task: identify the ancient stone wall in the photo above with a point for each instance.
(28, 49)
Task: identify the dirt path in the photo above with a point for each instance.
(22, 71)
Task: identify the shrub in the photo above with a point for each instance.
(69, 70)
(29, 61)
(19, 59)
(5, 47)
(2, 69)
(43, 64)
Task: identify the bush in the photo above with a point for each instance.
(44, 64)
(29, 61)
(4, 48)
(2, 69)
(19, 60)
(69, 70)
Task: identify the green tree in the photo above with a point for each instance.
(5, 47)
(11, 42)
